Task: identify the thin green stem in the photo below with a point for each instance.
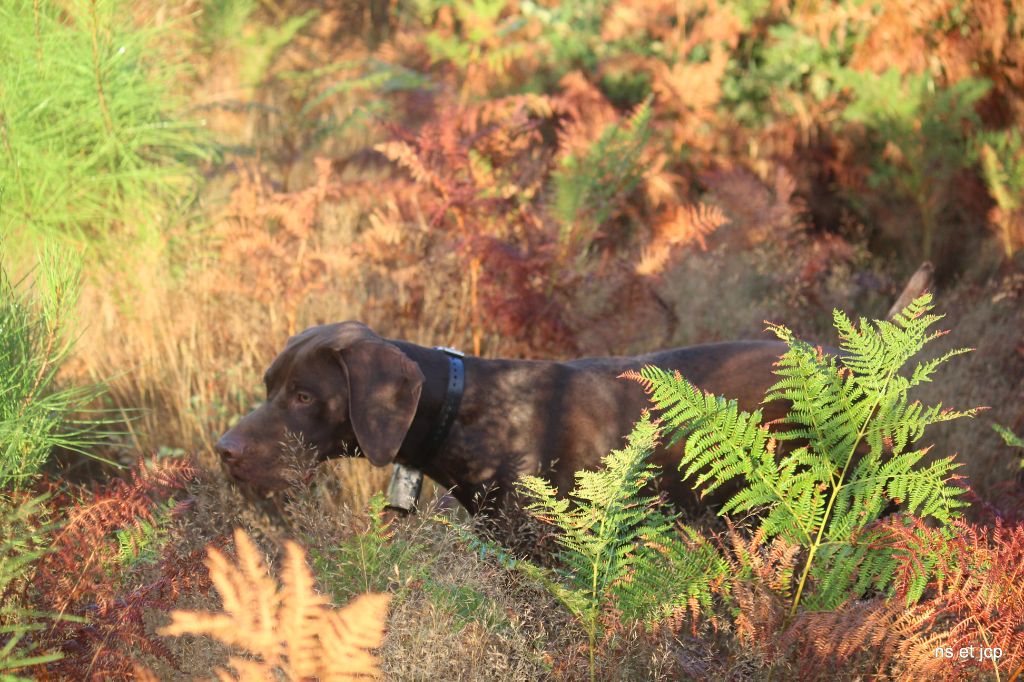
(44, 366)
(835, 494)
(97, 73)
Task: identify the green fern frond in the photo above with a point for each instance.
(589, 186)
(1010, 438)
(855, 430)
(617, 549)
(692, 571)
(142, 542)
(722, 443)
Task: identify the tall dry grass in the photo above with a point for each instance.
(183, 329)
(184, 341)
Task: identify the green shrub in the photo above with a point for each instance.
(784, 73)
(35, 415)
(918, 130)
(589, 187)
(91, 135)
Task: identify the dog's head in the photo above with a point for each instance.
(332, 386)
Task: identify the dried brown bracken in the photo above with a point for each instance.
(292, 630)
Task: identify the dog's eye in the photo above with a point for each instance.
(303, 398)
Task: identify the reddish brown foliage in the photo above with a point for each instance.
(477, 174)
(974, 600)
(79, 565)
(761, 598)
(268, 243)
(99, 600)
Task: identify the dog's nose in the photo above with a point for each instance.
(229, 449)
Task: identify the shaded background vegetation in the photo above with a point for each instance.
(515, 178)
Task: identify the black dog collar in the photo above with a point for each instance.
(407, 480)
(450, 408)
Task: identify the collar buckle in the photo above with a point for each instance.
(452, 352)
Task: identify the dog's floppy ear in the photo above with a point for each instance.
(384, 388)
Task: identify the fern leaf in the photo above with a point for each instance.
(298, 616)
(617, 549)
(348, 635)
(723, 443)
(250, 603)
(853, 427)
(292, 630)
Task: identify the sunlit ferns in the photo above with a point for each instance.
(293, 629)
(618, 551)
(852, 428)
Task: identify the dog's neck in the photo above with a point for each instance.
(478, 481)
(434, 365)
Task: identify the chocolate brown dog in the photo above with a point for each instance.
(477, 432)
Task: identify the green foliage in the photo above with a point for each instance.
(490, 550)
(229, 25)
(375, 76)
(141, 543)
(855, 426)
(919, 130)
(568, 34)
(1002, 160)
(22, 542)
(1001, 156)
(1010, 438)
(372, 559)
(91, 136)
(617, 549)
(35, 415)
(684, 573)
(351, 103)
(223, 22)
(466, 604)
(784, 72)
(376, 558)
(571, 31)
(260, 50)
(590, 186)
(490, 36)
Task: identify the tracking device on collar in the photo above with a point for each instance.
(404, 488)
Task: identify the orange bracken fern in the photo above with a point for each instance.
(292, 630)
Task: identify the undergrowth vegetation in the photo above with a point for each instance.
(817, 537)
(519, 178)
(36, 338)
(615, 542)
